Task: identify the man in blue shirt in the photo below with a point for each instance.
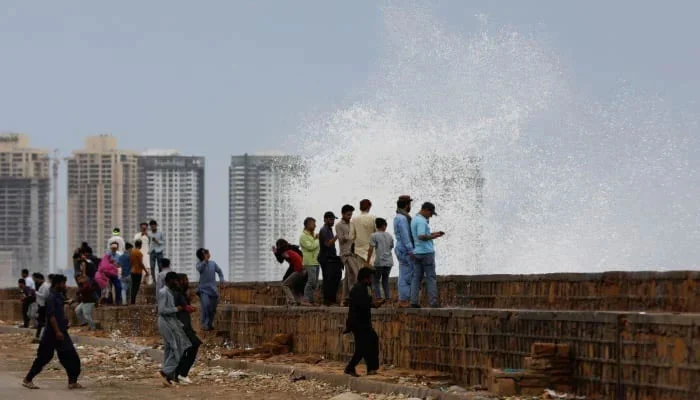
(56, 339)
(124, 261)
(424, 256)
(208, 290)
(404, 248)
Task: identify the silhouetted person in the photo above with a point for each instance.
(182, 299)
(331, 264)
(359, 322)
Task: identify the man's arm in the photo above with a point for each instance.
(165, 307)
(53, 323)
(200, 267)
(343, 233)
(402, 230)
(219, 272)
(308, 242)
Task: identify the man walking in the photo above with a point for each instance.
(164, 270)
(359, 322)
(308, 241)
(182, 300)
(156, 246)
(404, 248)
(345, 230)
(424, 253)
(208, 289)
(331, 264)
(142, 235)
(56, 339)
(42, 293)
(174, 338)
(138, 269)
(364, 227)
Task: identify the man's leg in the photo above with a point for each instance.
(88, 308)
(170, 361)
(204, 301)
(154, 269)
(346, 279)
(311, 283)
(358, 354)
(405, 278)
(376, 277)
(79, 314)
(337, 269)
(126, 289)
(326, 283)
(431, 280)
(68, 357)
(417, 279)
(41, 321)
(385, 281)
(372, 351)
(25, 313)
(213, 303)
(117, 283)
(188, 359)
(44, 354)
(135, 286)
(287, 287)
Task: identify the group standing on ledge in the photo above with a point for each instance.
(366, 256)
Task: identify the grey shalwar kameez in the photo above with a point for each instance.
(171, 329)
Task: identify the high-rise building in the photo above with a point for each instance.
(102, 193)
(25, 187)
(171, 191)
(260, 212)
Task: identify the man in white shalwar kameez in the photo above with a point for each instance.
(171, 329)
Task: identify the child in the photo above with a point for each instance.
(382, 243)
(86, 297)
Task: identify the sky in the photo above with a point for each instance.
(221, 78)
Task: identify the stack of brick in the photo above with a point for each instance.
(549, 366)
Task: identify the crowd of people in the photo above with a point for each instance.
(364, 252)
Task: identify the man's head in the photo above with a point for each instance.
(153, 224)
(428, 210)
(309, 224)
(38, 279)
(346, 212)
(282, 245)
(138, 243)
(58, 282)
(365, 205)
(128, 246)
(365, 276)
(144, 227)
(404, 203)
(116, 232)
(171, 279)
(25, 273)
(200, 253)
(380, 223)
(164, 263)
(329, 218)
(113, 247)
(22, 283)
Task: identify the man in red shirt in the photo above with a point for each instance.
(292, 254)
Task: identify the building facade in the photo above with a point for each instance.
(102, 193)
(25, 187)
(260, 212)
(171, 191)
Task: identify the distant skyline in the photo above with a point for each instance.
(222, 78)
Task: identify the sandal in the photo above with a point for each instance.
(29, 385)
(75, 385)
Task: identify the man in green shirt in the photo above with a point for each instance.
(308, 242)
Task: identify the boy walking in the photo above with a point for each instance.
(381, 243)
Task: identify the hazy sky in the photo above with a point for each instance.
(218, 78)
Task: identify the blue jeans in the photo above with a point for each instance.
(311, 282)
(424, 264)
(405, 276)
(126, 288)
(208, 304)
(117, 284)
(155, 264)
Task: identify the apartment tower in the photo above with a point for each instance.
(260, 212)
(25, 189)
(171, 191)
(102, 193)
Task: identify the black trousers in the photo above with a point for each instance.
(25, 311)
(135, 286)
(188, 359)
(41, 320)
(65, 351)
(332, 271)
(367, 347)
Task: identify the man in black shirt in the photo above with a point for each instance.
(331, 264)
(182, 300)
(56, 339)
(359, 322)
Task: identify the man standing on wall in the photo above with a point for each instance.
(145, 247)
(364, 227)
(308, 241)
(331, 265)
(116, 238)
(28, 279)
(424, 256)
(208, 290)
(157, 246)
(345, 230)
(404, 248)
(138, 269)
